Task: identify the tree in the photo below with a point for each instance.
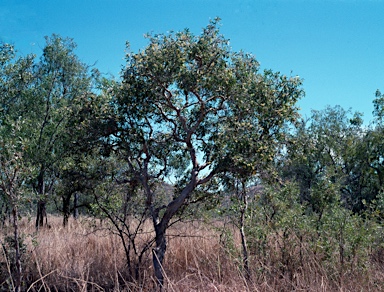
(15, 89)
(177, 104)
(62, 85)
(372, 153)
(86, 140)
(327, 148)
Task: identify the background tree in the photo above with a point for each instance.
(87, 143)
(15, 89)
(61, 84)
(323, 149)
(372, 155)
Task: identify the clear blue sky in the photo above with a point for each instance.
(336, 46)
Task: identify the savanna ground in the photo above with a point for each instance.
(200, 257)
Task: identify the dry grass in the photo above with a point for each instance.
(85, 258)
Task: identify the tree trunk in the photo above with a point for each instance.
(158, 255)
(245, 251)
(243, 211)
(161, 226)
(75, 204)
(66, 208)
(41, 204)
(41, 213)
(18, 275)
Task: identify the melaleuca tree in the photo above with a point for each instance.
(179, 106)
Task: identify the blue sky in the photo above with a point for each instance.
(336, 46)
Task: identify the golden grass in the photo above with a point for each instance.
(82, 257)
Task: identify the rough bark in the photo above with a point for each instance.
(18, 274)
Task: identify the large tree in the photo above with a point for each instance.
(180, 105)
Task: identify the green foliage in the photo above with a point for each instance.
(15, 88)
(338, 240)
(51, 117)
(378, 104)
(190, 108)
(329, 148)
